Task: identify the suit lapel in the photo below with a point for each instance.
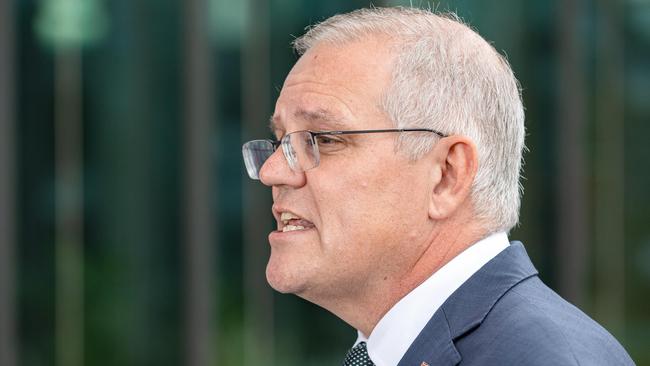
(433, 346)
(466, 308)
(470, 304)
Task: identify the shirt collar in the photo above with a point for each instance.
(398, 328)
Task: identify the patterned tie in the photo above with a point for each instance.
(358, 356)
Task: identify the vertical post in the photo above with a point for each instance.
(571, 183)
(610, 168)
(199, 217)
(258, 297)
(8, 344)
(69, 207)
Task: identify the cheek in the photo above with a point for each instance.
(363, 205)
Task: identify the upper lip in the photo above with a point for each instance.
(277, 212)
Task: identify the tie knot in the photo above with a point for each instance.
(358, 356)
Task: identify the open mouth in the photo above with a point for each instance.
(291, 222)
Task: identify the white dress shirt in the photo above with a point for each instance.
(394, 333)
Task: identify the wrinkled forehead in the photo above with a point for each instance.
(363, 60)
(334, 84)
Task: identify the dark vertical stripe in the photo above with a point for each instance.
(199, 217)
(610, 167)
(135, 195)
(570, 131)
(258, 301)
(8, 353)
(69, 208)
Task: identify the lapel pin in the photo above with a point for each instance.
(424, 364)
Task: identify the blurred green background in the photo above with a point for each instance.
(129, 234)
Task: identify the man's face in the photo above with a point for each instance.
(364, 208)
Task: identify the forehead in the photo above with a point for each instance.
(334, 87)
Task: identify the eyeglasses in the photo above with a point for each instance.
(302, 148)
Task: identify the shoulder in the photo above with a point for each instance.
(530, 324)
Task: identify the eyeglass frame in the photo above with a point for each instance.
(314, 134)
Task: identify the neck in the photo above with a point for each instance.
(364, 310)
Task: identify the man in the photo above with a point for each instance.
(395, 179)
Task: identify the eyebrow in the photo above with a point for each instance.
(316, 118)
(320, 115)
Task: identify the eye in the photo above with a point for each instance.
(327, 140)
(328, 143)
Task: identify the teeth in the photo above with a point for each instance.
(286, 216)
(292, 228)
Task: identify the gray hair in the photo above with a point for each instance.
(447, 78)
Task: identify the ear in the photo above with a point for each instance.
(455, 165)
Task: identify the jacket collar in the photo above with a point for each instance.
(466, 308)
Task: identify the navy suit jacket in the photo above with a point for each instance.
(505, 315)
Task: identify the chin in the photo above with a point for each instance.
(281, 279)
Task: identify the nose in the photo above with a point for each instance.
(276, 171)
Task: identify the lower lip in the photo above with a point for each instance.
(279, 235)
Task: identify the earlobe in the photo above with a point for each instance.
(456, 163)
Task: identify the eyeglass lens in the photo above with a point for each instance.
(299, 149)
(255, 153)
